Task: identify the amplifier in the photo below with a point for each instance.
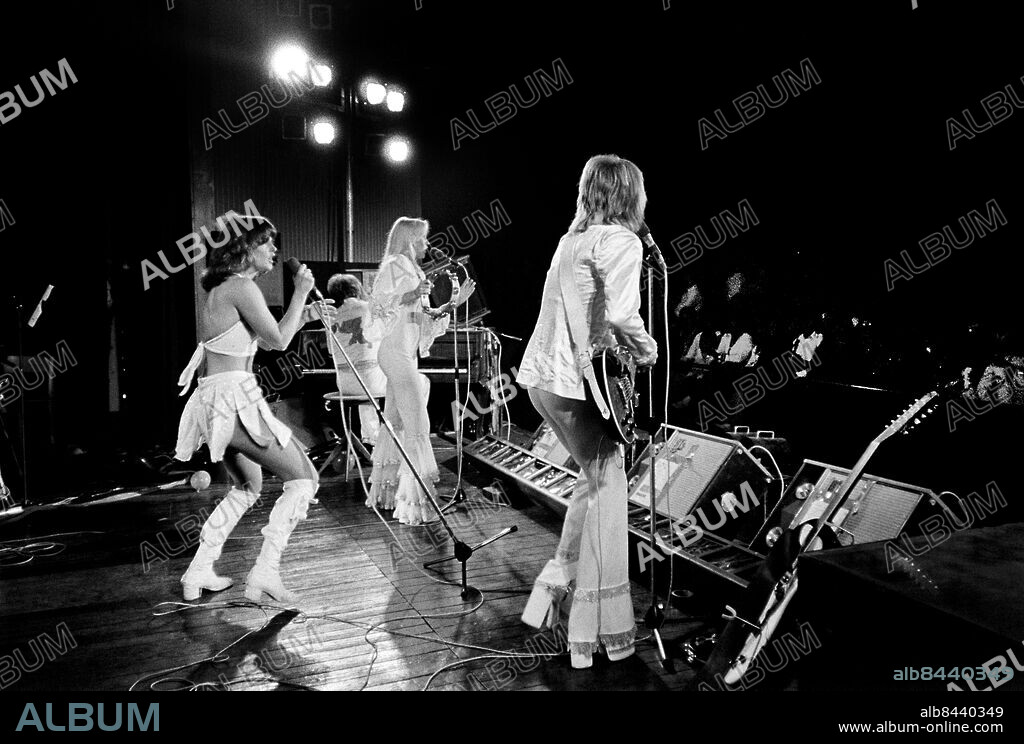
(715, 481)
(477, 352)
(546, 445)
(877, 509)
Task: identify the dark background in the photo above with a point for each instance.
(848, 174)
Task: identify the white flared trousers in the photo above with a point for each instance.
(593, 549)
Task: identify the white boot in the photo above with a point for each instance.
(200, 574)
(289, 510)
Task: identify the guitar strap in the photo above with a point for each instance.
(578, 334)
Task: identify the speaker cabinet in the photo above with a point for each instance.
(714, 481)
(877, 509)
(546, 445)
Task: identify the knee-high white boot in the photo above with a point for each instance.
(289, 510)
(200, 574)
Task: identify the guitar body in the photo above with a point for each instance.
(615, 370)
(764, 602)
(769, 621)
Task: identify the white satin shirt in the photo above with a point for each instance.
(607, 261)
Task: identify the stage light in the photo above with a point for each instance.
(290, 60)
(322, 75)
(397, 149)
(323, 132)
(375, 92)
(396, 100)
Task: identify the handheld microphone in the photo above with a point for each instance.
(294, 265)
(644, 233)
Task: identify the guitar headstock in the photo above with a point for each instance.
(911, 417)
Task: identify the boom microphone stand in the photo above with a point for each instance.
(462, 551)
(19, 316)
(655, 617)
(459, 496)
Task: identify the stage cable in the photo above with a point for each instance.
(782, 481)
(37, 547)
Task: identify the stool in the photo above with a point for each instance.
(349, 401)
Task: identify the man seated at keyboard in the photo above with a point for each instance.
(352, 320)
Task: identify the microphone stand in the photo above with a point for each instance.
(459, 496)
(650, 325)
(654, 619)
(655, 616)
(22, 412)
(462, 552)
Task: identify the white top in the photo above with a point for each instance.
(350, 326)
(607, 262)
(397, 276)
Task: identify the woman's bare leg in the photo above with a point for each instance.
(245, 474)
(287, 463)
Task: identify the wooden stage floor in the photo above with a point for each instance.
(84, 619)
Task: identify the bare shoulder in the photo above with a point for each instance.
(240, 288)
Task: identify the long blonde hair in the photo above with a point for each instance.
(613, 187)
(403, 233)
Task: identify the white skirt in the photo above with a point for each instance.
(217, 404)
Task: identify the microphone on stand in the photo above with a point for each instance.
(651, 249)
(442, 258)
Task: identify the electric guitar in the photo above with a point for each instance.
(615, 371)
(769, 593)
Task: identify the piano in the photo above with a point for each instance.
(477, 355)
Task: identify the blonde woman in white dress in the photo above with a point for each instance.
(400, 312)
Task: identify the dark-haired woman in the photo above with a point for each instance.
(227, 411)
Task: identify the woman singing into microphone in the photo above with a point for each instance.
(399, 306)
(227, 411)
(589, 575)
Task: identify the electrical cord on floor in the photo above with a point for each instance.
(164, 677)
(12, 555)
(221, 656)
(504, 655)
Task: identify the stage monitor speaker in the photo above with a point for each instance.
(716, 481)
(877, 509)
(545, 444)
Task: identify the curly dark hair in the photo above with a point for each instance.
(342, 286)
(229, 246)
